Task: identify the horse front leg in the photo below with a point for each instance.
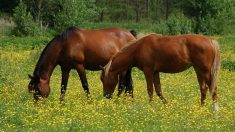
(149, 80)
(64, 82)
(157, 85)
(82, 74)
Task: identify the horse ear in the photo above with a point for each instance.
(101, 67)
(30, 76)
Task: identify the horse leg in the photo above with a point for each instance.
(157, 85)
(64, 82)
(213, 92)
(149, 80)
(129, 83)
(214, 98)
(36, 97)
(121, 84)
(203, 78)
(82, 74)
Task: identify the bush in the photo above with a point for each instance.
(228, 64)
(178, 24)
(24, 24)
(161, 28)
(175, 24)
(73, 13)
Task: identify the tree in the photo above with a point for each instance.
(8, 5)
(24, 21)
(73, 13)
(101, 9)
(202, 11)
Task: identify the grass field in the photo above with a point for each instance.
(18, 112)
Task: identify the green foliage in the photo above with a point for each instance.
(25, 43)
(73, 13)
(202, 16)
(25, 25)
(210, 16)
(228, 64)
(175, 24)
(178, 24)
(161, 27)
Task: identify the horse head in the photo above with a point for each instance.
(32, 84)
(109, 80)
(38, 87)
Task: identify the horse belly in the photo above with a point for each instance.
(173, 66)
(94, 61)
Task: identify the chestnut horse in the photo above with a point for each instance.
(169, 54)
(79, 49)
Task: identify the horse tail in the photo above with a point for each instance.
(215, 65)
(134, 33)
(214, 72)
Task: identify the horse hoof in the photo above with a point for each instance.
(216, 107)
(62, 97)
(88, 96)
(165, 101)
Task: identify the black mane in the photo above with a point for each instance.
(64, 34)
(60, 37)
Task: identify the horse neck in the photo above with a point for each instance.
(48, 60)
(123, 59)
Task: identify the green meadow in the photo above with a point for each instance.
(18, 112)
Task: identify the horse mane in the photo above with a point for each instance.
(139, 37)
(38, 65)
(132, 43)
(64, 35)
(60, 37)
(108, 65)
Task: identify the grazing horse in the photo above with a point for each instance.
(79, 49)
(169, 54)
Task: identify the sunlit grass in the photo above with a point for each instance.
(18, 112)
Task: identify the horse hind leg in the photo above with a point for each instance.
(64, 82)
(82, 74)
(129, 83)
(121, 85)
(157, 85)
(213, 92)
(203, 80)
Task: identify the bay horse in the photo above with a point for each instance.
(169, 54)
(79, 49)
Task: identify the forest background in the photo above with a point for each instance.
(34, 17)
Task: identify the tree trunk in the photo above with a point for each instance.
(147, 8)
(39, 9)
(137, 10)
(101, 16)
(167, 9)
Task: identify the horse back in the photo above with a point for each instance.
(173, 54)
(94, 47)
